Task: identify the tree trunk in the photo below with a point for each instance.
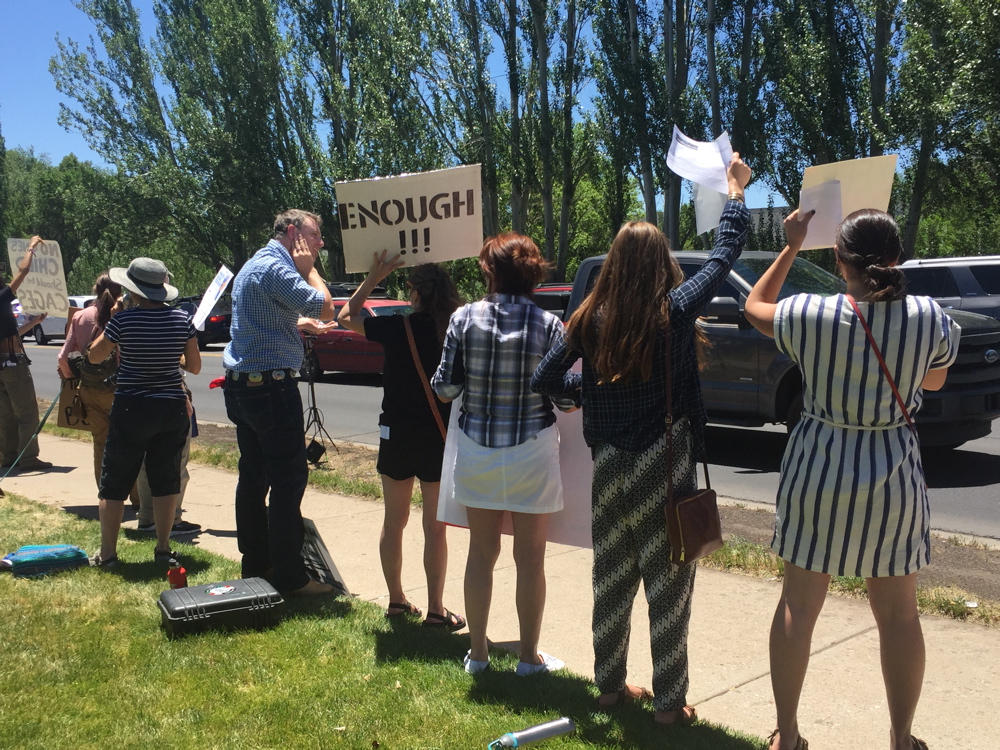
(880, 76)
(639, 116)
(713, 73)
(568, 183)
(741, 121)
(538, 14)
(518, 211)
(928, 143)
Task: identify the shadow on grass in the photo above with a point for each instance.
(405, 639)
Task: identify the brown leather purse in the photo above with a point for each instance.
(423, 378)
(693, 524)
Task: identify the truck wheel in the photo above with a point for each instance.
(310, 368)
(794, 413)
(40, 338)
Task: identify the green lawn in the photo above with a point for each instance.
(84, 664)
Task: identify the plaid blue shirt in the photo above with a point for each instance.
(269, 296)
(490, 351)
(631, 416)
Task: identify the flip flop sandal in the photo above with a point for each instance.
(917, 744)
(803, 745)
(405, 610)
(449, 621)
(104, 562)
(688, 716)
(625, 697)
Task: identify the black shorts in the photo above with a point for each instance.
(404, 455)
(144, 428)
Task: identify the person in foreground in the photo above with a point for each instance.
(18, 406)
(411, 444)
(640, 305)
(150, 415)
(508, 445)
(852, 499)
(277, 286)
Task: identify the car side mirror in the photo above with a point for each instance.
(724, 310)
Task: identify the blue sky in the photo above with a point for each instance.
(29, 102)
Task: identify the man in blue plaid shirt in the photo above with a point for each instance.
(275, 287)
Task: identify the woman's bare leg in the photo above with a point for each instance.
(484, 549)
(530, 531)
(435, 548)
(901, 643)
(396, 494)
(803, 594)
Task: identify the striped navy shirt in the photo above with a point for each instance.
(490, 351)
(150, 343)
(269, 296)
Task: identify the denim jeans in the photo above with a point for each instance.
(270, 432)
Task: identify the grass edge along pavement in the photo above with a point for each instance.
(84, 663)
(738, 556)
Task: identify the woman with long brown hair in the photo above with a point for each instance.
(507, 445)
(852, 500)
(640, 312)
(96, 395)
(411, 444)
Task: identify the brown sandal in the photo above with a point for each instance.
(802, 744)
(405, 610)
(686, 717)
(917, 744)
(624, 697)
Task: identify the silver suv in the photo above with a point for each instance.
(971, 284)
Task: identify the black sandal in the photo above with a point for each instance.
(449, 621)
(104, 562)
(405, 610)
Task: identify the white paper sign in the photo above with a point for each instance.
(864, 183)
(708, 205)
(211, 296)
(44, 288)
(701, 162)
(571, 525)
(423, 218)
(825, 199)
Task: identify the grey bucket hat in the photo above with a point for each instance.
(146, 277)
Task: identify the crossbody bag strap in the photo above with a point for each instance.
(881, 361)
(669, 419)
(423, 377)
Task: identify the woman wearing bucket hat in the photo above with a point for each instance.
(150, 417)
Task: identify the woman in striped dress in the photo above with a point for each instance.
(852, 498)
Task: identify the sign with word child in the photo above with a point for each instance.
(44, 288)
(422, 218)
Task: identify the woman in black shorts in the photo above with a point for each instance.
(411, 443)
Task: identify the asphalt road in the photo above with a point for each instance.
(964, 484)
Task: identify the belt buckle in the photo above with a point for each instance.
(254, 379)
(278, 375)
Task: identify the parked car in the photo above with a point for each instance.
(53, 326)
(217, 324)
(971, 284)
(553, 297)
(341, 349)
(747, 382)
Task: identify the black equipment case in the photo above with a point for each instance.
(229, 605)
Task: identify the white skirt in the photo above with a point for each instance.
(523, 478)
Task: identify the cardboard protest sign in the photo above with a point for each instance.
(569, 526)
(423, 218)
(864, 183)
(44, 288)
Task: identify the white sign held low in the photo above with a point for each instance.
(422, 218)
(211, 296)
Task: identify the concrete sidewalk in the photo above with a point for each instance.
(843, 704)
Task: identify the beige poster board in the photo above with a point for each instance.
(864, 183)
(423, 218)
(44, 288)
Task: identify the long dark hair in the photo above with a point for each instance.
(107, 293)
(868, 242)
(437, 295)
(616, 325)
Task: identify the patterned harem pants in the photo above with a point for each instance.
(630, 540)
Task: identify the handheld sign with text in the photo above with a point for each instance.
(44, 288)
(422, 218)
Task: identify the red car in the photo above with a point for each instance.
(343, 350)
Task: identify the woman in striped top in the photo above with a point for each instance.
(150, 416)
(852, 498)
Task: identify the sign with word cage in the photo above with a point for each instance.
(44, 288)
(423, 218)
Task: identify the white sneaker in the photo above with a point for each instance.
(549, 664)
(472, 666)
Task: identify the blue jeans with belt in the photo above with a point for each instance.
(270, 432)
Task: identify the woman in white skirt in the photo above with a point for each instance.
(852, 499)
(508, 446)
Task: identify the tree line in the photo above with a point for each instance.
(216, 114)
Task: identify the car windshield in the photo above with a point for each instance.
(382, 311)
(803, 277)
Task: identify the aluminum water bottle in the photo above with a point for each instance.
(537, 733)
(177, 576)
